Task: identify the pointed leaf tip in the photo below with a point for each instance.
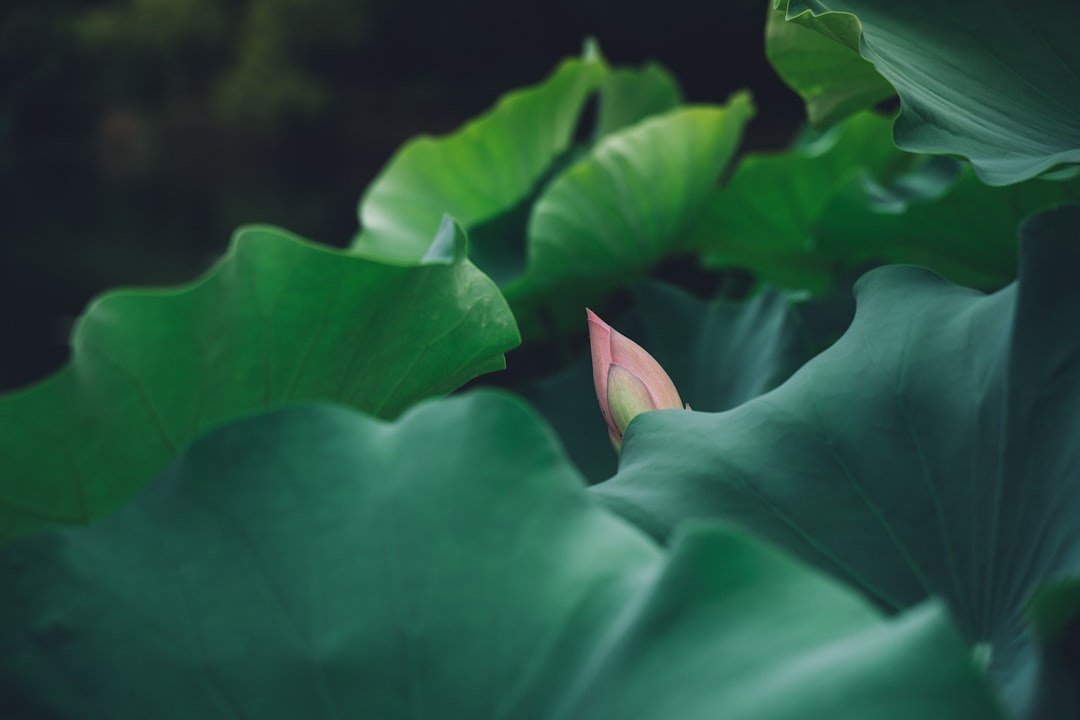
(590, 50)
(450, 244)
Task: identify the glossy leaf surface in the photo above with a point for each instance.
(608, 219)
(278, 320)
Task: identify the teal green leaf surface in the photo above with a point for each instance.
(278, 320)
(765, 218)
(317, 563)
(997, 83)
(609, 218)
(818, 57)
(718, 353)
(930, 451)
(482, 170)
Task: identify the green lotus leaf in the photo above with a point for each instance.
(800, 218)
(818, 57)
(628, 96)
(962, 229)
(764, 220)
(313, 562)
(477, 173)
(930, 451)
(998, 84)
(626, 205)
(515, 180)
(278, 320)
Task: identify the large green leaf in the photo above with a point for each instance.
(277, 320)
(482, 170)
(764, 220)
(626, 205)
(997, 82)
(719, 354)
(931, 451)
(317, 563)
(818, 57)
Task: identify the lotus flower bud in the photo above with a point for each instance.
(628, 380)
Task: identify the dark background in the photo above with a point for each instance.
(136, 135)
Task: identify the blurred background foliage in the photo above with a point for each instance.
(136, 135)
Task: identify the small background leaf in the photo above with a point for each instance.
(628, 96)
(482, 170)
(802, 218)
(622, 208)
(764, 219)
(558, 225)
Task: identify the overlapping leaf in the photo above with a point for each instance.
(765, 218)
(931, 451)
(545, 215)
(998, 83)
(961, 229)
(626, 205)
(479, 172)
(317, 563)
(818, 57)
(278, 320)
(496, 164)
(798, 219)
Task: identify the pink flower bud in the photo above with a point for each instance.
(628, 380)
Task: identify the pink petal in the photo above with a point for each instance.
(600, 345)
(626, 352)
